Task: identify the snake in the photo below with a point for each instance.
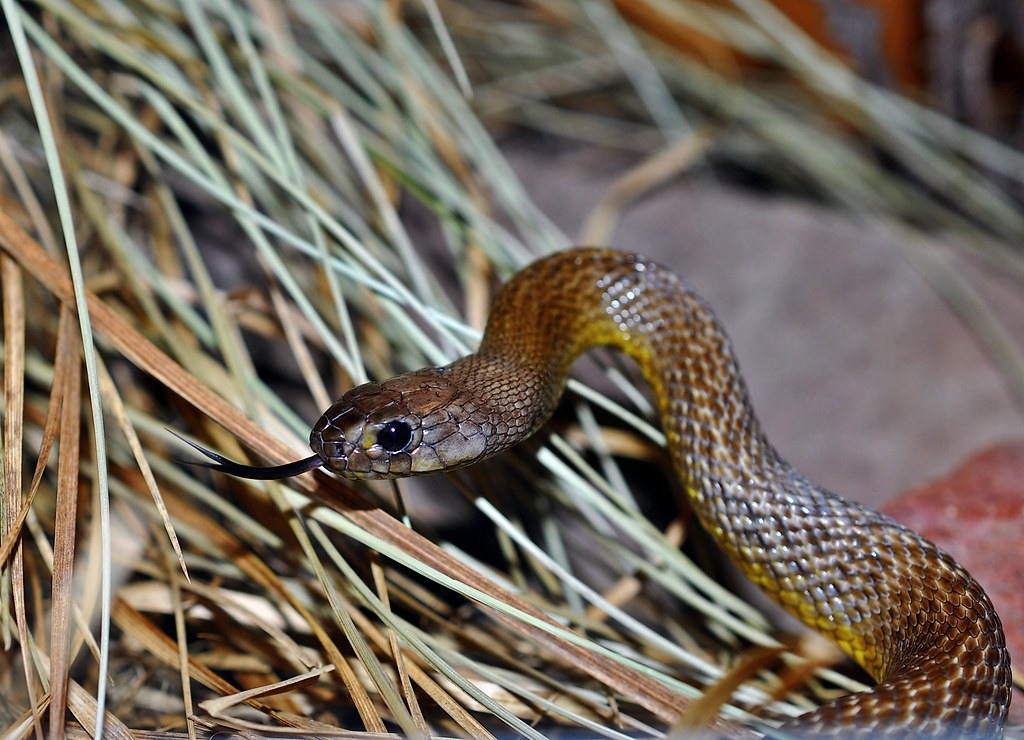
(898, 605)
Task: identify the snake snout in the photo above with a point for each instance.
(366, 435)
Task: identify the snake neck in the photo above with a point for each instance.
(558, 308)
(562, 306)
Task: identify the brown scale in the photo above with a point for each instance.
(898, 605)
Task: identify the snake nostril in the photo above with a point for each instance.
(394, 436)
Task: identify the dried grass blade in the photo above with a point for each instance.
(14, 411)
(67, 352)
(68, 375)
(115, 405)
(11, 290)
(289, 321)
(181, 633)
(652, 172)
(12, 538)
(396, 650)
(22, 725)
(703, 712)
(220, 706)
(84, 707)
(50, 428)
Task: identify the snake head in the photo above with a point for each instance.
(412, 424)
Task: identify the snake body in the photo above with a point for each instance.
(899, 606)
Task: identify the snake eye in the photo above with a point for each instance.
(394, 436)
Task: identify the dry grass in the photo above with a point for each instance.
(236, 185)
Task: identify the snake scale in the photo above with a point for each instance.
(898, 605)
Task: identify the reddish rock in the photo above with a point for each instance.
(977, 515)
